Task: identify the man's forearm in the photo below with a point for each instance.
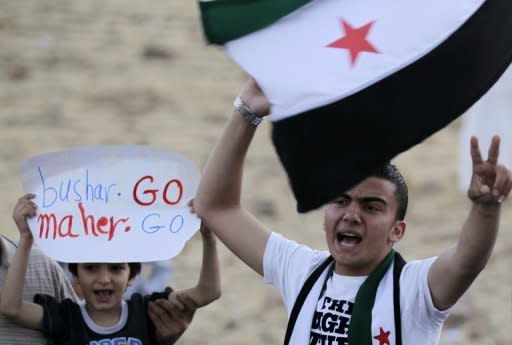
(217, 201)
(477, 238)
(222, 178)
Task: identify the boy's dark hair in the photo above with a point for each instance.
(135, 268)
(391, 173)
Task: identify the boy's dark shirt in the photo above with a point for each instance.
(63, 322)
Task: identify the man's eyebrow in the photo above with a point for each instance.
(372, 199)
(364, 199)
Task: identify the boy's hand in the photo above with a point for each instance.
(25, 208)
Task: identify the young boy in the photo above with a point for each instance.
(104, 318)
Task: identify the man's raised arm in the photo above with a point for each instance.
(217, 201)
(456, 268)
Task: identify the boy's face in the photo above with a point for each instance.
(103, 284)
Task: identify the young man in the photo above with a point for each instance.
(366, 296)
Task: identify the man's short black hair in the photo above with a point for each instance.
(390, 172)
(135, 268)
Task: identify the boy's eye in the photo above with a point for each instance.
(89, 267)
(116, 268)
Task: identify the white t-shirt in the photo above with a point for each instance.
(287, 265)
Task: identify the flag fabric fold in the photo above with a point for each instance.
(354, 83)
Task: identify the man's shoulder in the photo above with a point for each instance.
(418, 265)
(295, 256)
(291, 247)
(414, 280)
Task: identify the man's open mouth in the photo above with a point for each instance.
(348, 238)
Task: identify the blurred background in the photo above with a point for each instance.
(77, 73)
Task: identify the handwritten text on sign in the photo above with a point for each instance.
(111, 203)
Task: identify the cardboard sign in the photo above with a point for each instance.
(111, 203)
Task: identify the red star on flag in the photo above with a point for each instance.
(355, 40)
(383, 337)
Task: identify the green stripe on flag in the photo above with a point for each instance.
(226, 20)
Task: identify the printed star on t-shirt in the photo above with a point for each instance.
(383, 337)
(354, 40)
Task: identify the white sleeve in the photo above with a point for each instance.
(287, 264)
(417, 307)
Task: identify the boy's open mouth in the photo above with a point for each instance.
(103, 292)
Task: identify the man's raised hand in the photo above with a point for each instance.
(490, 182)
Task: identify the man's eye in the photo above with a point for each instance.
(372, 208)
(341, 201)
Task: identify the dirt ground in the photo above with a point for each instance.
(76, 73)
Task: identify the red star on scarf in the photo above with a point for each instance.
(354, 40)
(383, 337)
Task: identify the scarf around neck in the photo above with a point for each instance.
(361, 328)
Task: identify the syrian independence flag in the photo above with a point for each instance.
(353, 83)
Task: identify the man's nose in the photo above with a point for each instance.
(352, 215)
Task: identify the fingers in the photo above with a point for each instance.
(191, 205)
(188, 303)
(494, 150)
(493, 154)
(26, 200)
(202, 227)
(476, 156)
(175, 302)
(24, 208)
(168, 320)
(502, 183)
(157, 314)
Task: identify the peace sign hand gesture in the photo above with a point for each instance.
(491, 182)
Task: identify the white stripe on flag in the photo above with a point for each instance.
(298, 72)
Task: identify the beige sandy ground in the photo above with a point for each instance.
(76, 73)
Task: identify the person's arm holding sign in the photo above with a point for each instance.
(24, 313)
(490, 185)
(207, 289)
(218, 198)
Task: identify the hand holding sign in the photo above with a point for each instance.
(111, 203)
(25, 208)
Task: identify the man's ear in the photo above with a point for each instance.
(398, 231)
(131, 281)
